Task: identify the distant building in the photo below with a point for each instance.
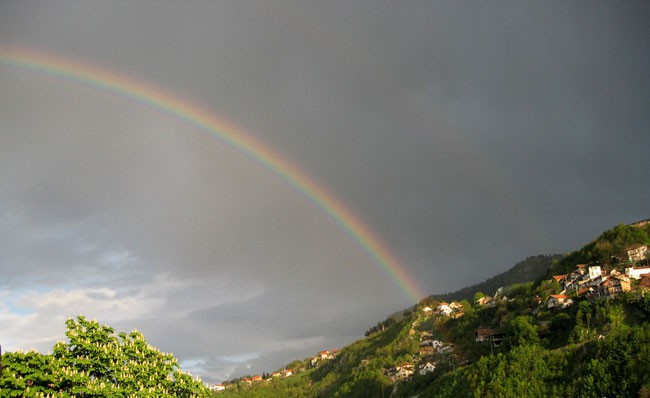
(595, 272)
(635, 273)
(558, 301)
(644, 281)
(427, 368)
(483, 334)
(444, 309)
(637, 253)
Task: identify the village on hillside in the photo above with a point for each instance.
(314, 361)
(592, 282)
(585, 282)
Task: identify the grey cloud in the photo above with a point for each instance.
(467, 136)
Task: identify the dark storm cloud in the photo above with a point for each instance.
(468, 136)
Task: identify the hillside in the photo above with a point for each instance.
(580, 334)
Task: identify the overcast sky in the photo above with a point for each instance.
(466, 135)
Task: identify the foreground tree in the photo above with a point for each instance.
(97, 363)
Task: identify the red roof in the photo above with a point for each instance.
(645, 280)
(485, 331)
(559, 296)
(559, 277)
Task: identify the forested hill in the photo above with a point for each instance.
(584, 333)
(528, 270)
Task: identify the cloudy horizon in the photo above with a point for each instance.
(466, 137)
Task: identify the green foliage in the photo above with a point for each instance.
(522, 331)
(607, 250)
(97, 363)
(478, 296)
(27, 374)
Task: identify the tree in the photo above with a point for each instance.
(97, 363)
(27, 372)
(522, 331)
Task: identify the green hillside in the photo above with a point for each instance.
(534, 339)
(608, 250)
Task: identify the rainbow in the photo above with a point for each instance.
(228, 133)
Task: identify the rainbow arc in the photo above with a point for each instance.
(227, 132)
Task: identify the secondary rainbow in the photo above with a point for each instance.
(226, 132)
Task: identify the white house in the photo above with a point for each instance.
(217, 387)
(444, 309)
(637, 252)
(404, 371)
(427, 368)
(635, 273)
(595, 272)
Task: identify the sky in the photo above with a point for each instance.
(401, 148)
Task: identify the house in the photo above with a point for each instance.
(444, 309)
(483, 334)
(613, 286)
(595, 271)
(247, 380)
(427, 310)
(558, 301)
(445, 348)
(484, 300)
(288, 372)
(559, 279)
(635, 272)
(427, 368)
(276, 374)
(644, 281)
(217, 387)
(256, 378)
(573, 280)
(400, 372)
(596, 281)
(404, 371)
(636, 253)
